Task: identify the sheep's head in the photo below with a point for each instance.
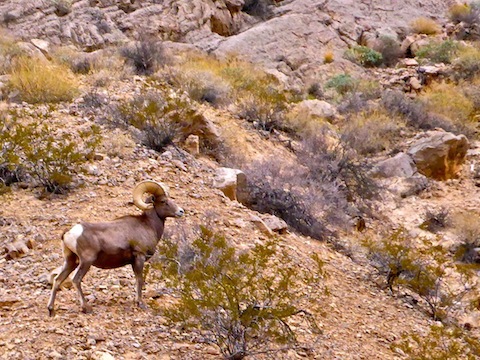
(161, 201)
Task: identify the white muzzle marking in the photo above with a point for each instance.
(70, 238)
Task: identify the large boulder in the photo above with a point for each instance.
(316, 109)
(401, 165)
(439, 155)
(232, 182)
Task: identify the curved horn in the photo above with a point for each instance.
(151, 187)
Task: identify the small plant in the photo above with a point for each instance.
(162, 116)
(145, 55)
(415, 113)
(467, 64)
(435, 220)
(43, 153)
(315, 91)
(441, 343)
(448, 100)
(42, 82)
(328, 57)
(423, 25)
(62, 7)
(369, 132)
(393, 256)
(241, 302)
(364, 56)
(342, 83)
(422, 268)
(466, 226)
(439, 52)
(469, 14)
(52, 158)
(205, 86)
(9, 52)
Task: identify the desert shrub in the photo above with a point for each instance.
(393, 256)
(328, 57)
(270, 189)
(439, 52)
(414, 112)
(435, 220)
(240, 301)
(390, 50)
(62, 7)
(423, 25)
(259, 97)
(262, 113)
(159, 114)
(364, 56)
(441, 343)
(146, 55)
(43, 153)
(42, 82)
(370, 132)
(9, 52)
(466, 227)
(449, 101)
(460, 13)
(357, 100)
(342, 83)
(205, 86)
(419, 265)
(315, 91)
(118, 145)
(81, 65)
(466, 66)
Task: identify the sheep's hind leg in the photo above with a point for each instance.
(137, 266)
(77, 279)
(69, 265)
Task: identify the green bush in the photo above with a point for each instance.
(239, 301)
(158, 115)
(342, 83)
(439, 52)
(364, 56)
(419, 265)
(42, 152)
(441, 343)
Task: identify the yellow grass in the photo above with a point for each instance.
(423, 25)
(448, 99)
(40, 81)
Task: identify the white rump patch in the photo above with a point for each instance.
(71, 236)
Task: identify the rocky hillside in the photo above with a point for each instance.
(339, 129)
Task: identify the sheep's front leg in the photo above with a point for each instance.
(77, 279)
(137, 266)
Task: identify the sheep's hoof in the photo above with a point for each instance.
(51, 312)
(86, 309)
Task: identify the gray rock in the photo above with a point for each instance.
(401, 165)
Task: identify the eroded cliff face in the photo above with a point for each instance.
(288, 38)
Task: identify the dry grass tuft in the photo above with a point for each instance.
(423, 25)
(42, 82)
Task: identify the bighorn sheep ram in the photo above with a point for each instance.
(130, 239)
